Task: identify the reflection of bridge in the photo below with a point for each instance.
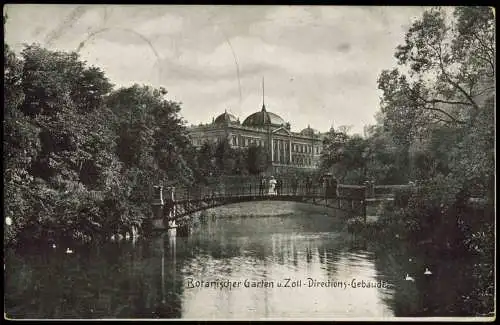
(179, 203)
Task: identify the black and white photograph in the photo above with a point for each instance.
(249, 162)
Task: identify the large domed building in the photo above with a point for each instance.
(225, 118)
(287, 149)
(263, 118)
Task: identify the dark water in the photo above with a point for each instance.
(155, 278)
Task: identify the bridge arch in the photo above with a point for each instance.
(351, 199)
(177, 210)
(265, 208)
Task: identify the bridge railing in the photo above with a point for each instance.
(250, 186)
(224, 189)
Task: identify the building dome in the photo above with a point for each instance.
(225, 118)
(308, 131)
(263, 118)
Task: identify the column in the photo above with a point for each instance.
(310, 155)
(281, 151)
(276, 154)
(312, 152)
(283, 148)
(277, 151)
(278, 158)
(272, 149)
(290, 151)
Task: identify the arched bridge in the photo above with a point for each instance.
(172, 204)
(186, 207)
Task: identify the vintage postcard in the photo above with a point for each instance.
(249, 162)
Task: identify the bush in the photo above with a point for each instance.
(402, 196)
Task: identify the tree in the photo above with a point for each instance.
(443, 103)
(21, 146)
(450, 63)
(240, 161)
(257, 159)
(206, 159)
(336, 155)
(384, 157)
(451, 69)
(152, 144)
(224, 157)
(57, 125)
(80, 158)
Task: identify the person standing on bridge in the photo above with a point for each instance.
(262, 185)
(279, 186)
(325, 185)
(295, 183)
(308, 185)
(272, 186)
(333, 188)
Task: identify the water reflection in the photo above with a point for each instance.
(281, 250)
(169, 304)
(155, 278)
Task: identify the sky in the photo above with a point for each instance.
(320, 63)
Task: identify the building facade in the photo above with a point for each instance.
(286, 149)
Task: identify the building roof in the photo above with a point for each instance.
(225, 118)
(263, 118)
(309, 131)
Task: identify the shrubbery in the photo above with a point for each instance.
(80, 157)
(439, 112)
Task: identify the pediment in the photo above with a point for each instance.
(282, 131)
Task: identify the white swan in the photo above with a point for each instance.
(427, 271)
(69, 251)
(409, 278)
